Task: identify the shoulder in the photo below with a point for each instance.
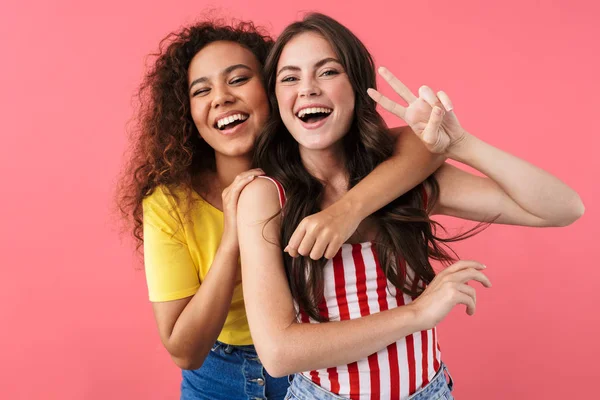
(261, 196)
(163, 205)
(399, 131)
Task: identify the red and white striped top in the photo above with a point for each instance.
(356, 286)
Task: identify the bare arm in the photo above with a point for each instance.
(514, 191)
(286, 346)
(189, 327)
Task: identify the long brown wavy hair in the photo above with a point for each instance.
(165, 146)
(406, 233)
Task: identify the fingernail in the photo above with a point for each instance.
(437, 110)
(483, 266)
(382, 70)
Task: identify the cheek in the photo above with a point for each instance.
(285, 102)
(199, 112)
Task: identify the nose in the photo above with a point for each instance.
(309, 89)
(222, 96)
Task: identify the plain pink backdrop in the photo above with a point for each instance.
(76, 322)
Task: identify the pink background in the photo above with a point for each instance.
(76, 323)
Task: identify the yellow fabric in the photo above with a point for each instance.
(179, 249)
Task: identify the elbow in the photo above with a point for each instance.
(572, 213)
(275, 360)
(187, 363)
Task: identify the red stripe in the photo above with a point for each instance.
(375, 378)
(436, 362)
(410, 354)
(340, 291)
(334, 379)
(361, 279)
(425, 360)
(381, 283)
(394, 371)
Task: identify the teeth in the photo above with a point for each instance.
(228, 120)
(314, 110)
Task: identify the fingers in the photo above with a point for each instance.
(462, 264)
(386, 103)
(332, 249)
(318, 249)
(427, 94)
(463, 298)
(398, 86)
(431, 134)
(296, 240)
(231, 194)
(445, 100)
(307, 244)
(471, 274)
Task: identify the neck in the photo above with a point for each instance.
(227, 168)
(329, 167)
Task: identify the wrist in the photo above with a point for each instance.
(462, 149)
(418, 317)
(229, 243)
(351, 206)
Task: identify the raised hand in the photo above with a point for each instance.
(430, 116)
(448, 289)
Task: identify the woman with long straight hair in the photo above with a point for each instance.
(363, 324)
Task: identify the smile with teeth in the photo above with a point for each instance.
(315, 113)
(225, 121)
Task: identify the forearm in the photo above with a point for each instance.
(410, 165)
(201, 321)
(533, 189)
(304, 347)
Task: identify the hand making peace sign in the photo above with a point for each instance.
(431, 117)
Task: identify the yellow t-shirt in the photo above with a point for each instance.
(179, 249)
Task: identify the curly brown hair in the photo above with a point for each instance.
(165, 146)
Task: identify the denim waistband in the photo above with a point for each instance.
(231, 348)
(302, 387)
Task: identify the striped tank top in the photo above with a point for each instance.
(356, 286)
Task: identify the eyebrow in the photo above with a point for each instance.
(226, 71)
(317, 65)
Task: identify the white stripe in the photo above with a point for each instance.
(384, 374)
(430, 353)
(354, 309)
(418, 360)
(332, 309)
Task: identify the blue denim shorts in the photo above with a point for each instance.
(439, 388)
(232, 373)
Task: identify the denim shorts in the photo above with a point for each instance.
(231, 373)
(439, 388)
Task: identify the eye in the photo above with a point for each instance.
(239, 80)
(289, 79)
(330, 72)
(201, 92)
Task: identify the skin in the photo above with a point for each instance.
(516, 191)
(224, 77)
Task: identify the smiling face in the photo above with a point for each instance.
(314, 94)
(228, 101)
